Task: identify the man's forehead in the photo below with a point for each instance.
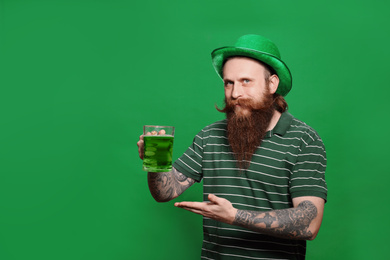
(243, 64)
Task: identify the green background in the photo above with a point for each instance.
(79, 79)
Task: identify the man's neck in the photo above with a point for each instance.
(274, 120)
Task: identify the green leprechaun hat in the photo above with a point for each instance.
(259, 48)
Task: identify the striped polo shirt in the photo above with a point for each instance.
(289, 163)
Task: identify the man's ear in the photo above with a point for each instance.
(273, 83)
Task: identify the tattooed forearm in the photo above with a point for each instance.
(165, 186)
(290, 223)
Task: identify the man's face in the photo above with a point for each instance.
(249, 105)
(244, 81)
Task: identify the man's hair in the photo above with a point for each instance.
(279, 103)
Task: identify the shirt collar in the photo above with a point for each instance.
(282, 125)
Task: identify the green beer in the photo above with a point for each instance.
(158, 153)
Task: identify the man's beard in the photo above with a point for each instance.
(246, 131)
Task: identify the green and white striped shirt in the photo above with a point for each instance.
(289, 163)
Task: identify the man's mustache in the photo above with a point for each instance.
(243, 102)
(230, 105)
(247, 103)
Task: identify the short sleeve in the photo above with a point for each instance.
(308, 175)
(190, 163)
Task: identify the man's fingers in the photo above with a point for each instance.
(197, 211)
(199, 205)
(184, 204)
(216, 200)
(141, 150)
(140, 145)
(213, 198)
(192, 205)
(195, 207)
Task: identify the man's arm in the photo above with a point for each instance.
(166, 186)
(301, 222)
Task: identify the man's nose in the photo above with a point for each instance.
(236, 91)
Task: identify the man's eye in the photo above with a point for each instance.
(246, 81)
(228, 83)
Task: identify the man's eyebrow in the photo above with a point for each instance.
(239, 79)
(246, 77)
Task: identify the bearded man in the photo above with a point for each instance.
(262, 169)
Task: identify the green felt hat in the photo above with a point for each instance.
(259, 48)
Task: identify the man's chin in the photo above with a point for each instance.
(241, 112)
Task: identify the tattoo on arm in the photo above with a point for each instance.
(166, 186)
(290, 223)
